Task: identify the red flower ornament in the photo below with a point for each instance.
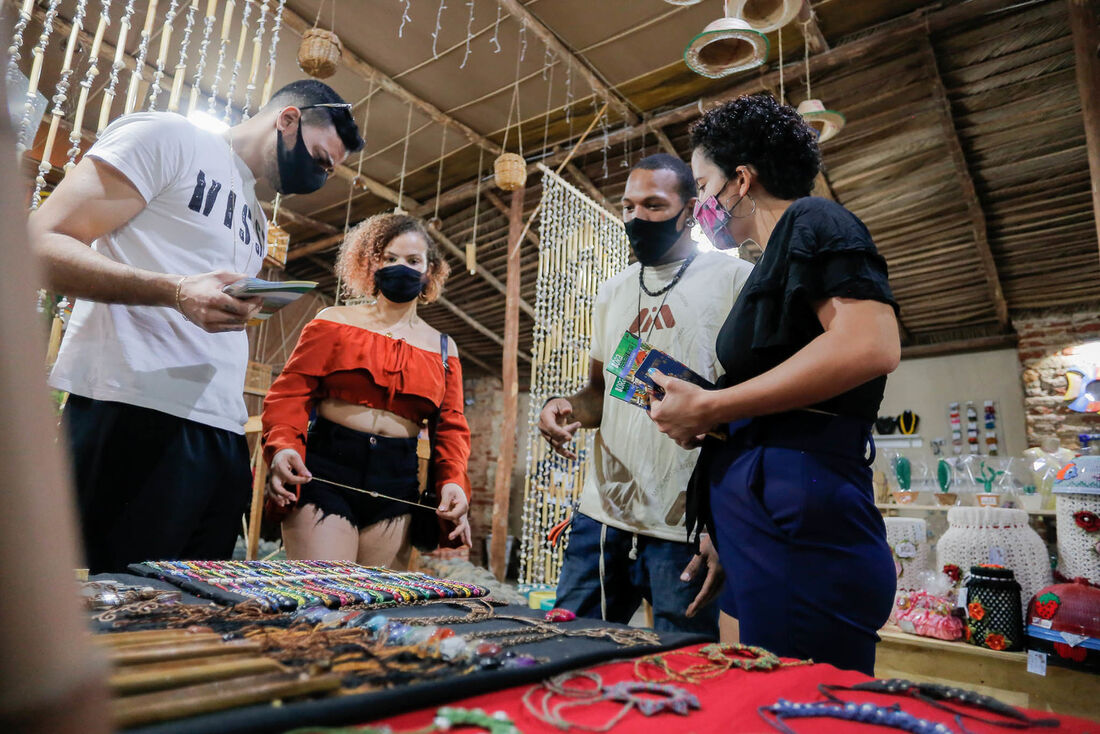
(995, 641)
(1087, 521)
(975, 610)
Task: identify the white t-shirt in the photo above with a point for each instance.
(638, 477)
(201, 215)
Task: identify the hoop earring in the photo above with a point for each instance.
(744, 216)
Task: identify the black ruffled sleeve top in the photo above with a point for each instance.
(818, 250)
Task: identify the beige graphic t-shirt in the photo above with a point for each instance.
(638, 477)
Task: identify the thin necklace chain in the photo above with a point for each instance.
(410, 322)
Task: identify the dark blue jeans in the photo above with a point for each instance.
(654, 575)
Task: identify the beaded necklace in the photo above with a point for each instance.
(891, 717)
(672, 698)
(718, 659)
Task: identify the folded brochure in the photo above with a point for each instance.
(276, 293)
(630, 364)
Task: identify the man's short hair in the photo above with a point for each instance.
(305, 92)
(665, 162)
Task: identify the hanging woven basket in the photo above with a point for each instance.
(510, 171)
(278, 241)
(319, 53)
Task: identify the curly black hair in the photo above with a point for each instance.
(756, 130)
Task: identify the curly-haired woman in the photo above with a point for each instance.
(376, 374)
(806, 350)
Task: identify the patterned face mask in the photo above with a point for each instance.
(712, 219)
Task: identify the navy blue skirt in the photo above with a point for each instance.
(808, 571)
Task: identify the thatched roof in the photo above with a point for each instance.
(964, 151)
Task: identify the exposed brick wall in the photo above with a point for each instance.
(484, 412)
(1050, 343)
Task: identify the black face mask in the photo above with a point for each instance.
(651, 241)
(298, 172)
(399, 283)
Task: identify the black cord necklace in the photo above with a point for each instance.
(663, 292)
(671, 284)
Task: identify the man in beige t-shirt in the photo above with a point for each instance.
(628, 541)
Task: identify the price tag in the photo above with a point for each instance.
(997, 556)
(962, 598)
(1036, 662)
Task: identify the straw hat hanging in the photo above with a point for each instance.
(765, 15)
(825, 122)
(320, 50)
(726, 46)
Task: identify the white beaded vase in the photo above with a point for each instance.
(977, 535)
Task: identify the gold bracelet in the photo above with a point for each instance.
(179, 306)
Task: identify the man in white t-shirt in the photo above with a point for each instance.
(628, 540)
(145, 232)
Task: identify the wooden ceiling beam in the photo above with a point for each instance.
(367, 71)
(834, 58)
(591, 189)
(970, 194)
(1084, 22)
(460, 253)
(301, 220)
(476, 325)
(960, 346)
(666, 144)
(811, 32)
(563, 52)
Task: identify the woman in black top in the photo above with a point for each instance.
(787, 494)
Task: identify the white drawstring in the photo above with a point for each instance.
(603, 594)
(633, 555)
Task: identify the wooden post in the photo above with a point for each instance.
(1084, 21)
(502, 487)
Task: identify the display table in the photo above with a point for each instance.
(1000, 674)
(729, 703)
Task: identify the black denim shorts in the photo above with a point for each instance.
(378, 463)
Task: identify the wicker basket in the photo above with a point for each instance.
(278, 240)
(510, 171)
(257, 380)
(319, 53)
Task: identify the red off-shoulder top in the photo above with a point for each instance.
(362, 367)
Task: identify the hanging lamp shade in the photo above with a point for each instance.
(510, 171)
(726, 46)
(826, 123)
(765, 15)
(683, 2)
(319, 53)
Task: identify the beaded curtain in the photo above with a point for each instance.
(152, 77)
(580, 246)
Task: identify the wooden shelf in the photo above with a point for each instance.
(945, 508)
(1000, 674)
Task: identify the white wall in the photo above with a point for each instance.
(927, 385)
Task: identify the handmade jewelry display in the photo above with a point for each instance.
(289, 585)
(672, 698)
(580, 245)
(715, 659)
(939, 695)
(955, 421)
(989, 423)
(891, 717)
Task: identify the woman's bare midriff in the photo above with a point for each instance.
(367, 420)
